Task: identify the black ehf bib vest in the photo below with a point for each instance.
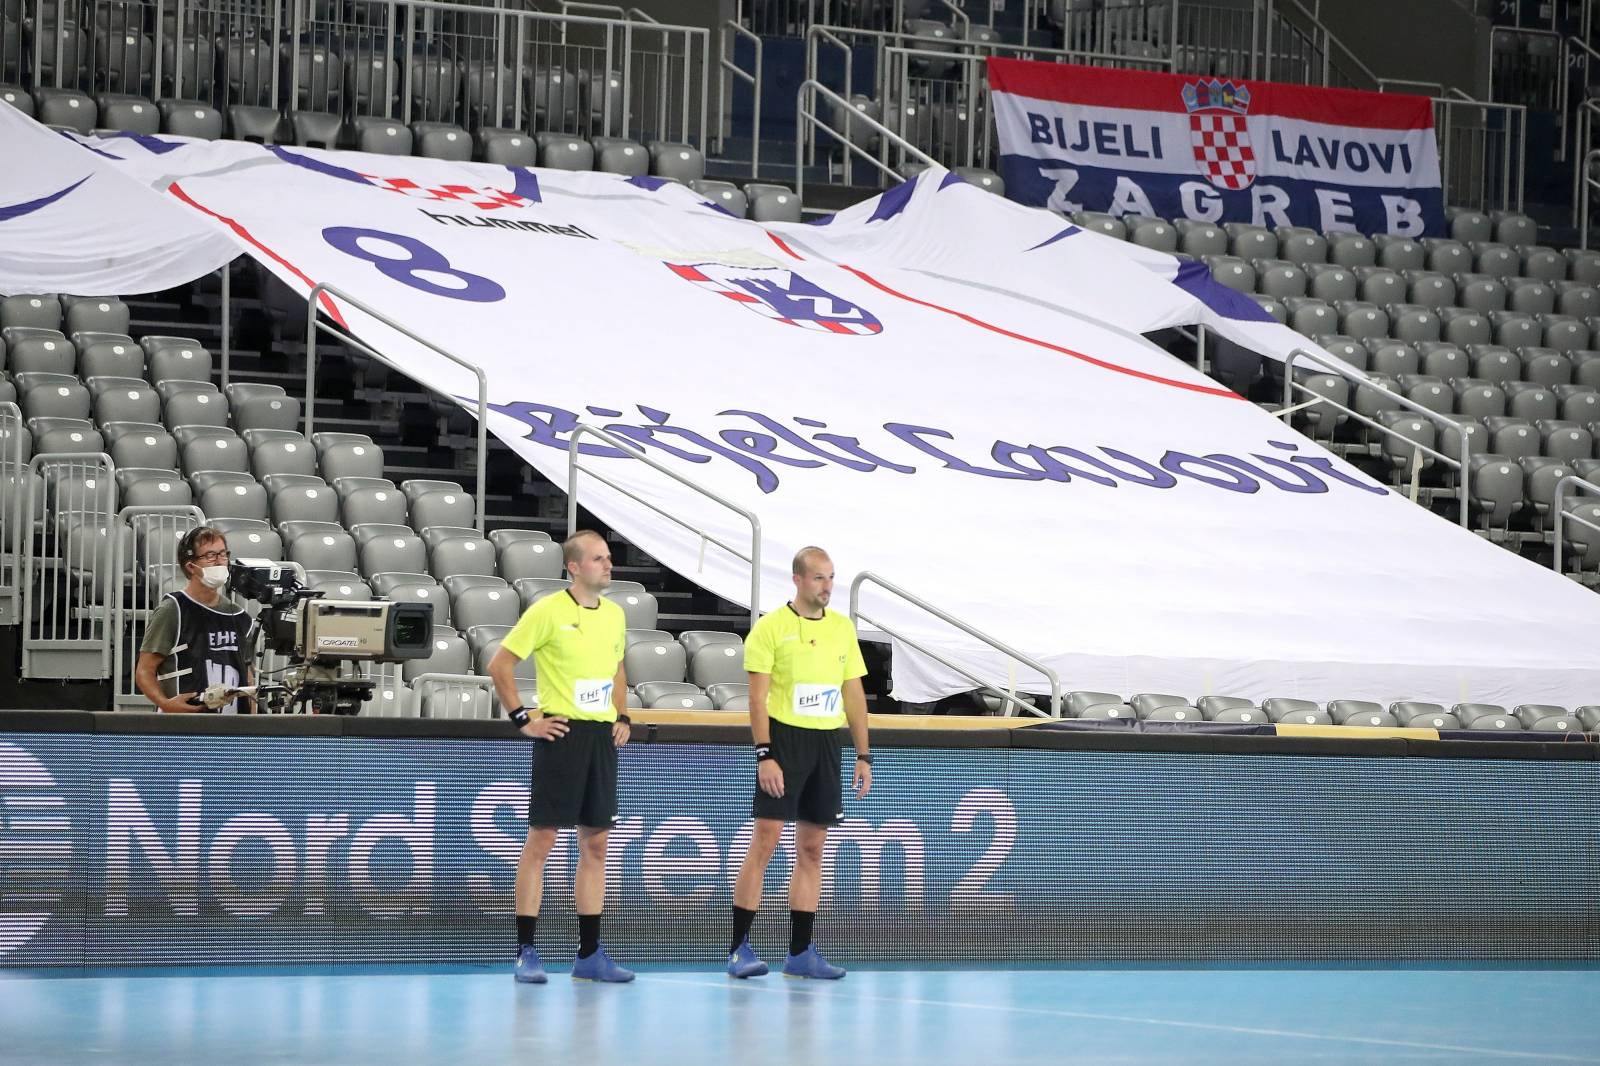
(208, 650)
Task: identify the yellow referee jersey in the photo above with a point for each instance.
(809, 661)
(576, 651)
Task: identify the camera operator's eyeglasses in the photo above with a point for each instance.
(219, 556)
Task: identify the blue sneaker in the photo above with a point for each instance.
(744, 962)
(600, 967)
(810, 964)
(530, 971)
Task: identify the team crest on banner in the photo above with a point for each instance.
(778, 293)
(1217, 113)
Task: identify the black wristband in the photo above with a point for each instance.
(865, 757)
(625, 720)
(764, 752)
(519, 716)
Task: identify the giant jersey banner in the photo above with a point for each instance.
(1216, 149)
(938, 385)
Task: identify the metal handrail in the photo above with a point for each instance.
(11, 514)
(750, 78)
(959, 16)
(1564, 89)
(1583, 139)
(633, 451)
(1329, 41)
(1289, 384)
(803, 116)
(34, 480)
(1558, 514)
(977, 634)
(312, 325)
(119, 646)
(478, 681)
(825, 35)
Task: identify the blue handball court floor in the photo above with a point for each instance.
(477, 1016)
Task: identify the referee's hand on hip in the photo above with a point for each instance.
(546, 728)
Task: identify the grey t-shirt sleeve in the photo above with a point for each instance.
(161, 632)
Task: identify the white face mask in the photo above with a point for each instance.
(213, 577)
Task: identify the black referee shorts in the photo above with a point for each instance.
(812, 790)
(575, 778)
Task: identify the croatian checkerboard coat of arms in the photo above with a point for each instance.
(1217, 125)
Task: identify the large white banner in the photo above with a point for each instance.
(70, 224)
(938, 385)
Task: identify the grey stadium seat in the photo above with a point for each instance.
(723, 697)
(508, 148)
(329, 550)
(100, 314)
(42, 354)
(638, 607)
(1145, 702)
(234, 500)
(139, 403)
(695, 639)
(52, 396)
(148, 445)
(442, 509)
(450, 655)
(451, 144)
(461, 555)
(626, 159)
(485, 605)
(379, 136)
(31, 310)
(717, 664)
(1294, 712)
(283, 457)
(560, 152)
(1081, 700)
(637, 636)
(110, 358)
(681, 162)
(182, 362)
(1495, 488)
(196, 409)
(249, 540)
(530, 558)
(777, 206)
(266, 412)
(305, 503)
(1211, 706)
(351, 459)
(191, 118)
(368, 506)
(670, 695)
(1359, 713)
(654, 660)
(724, 194)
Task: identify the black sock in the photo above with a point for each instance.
(525, 927)
(588, 935)
(800, 926)
(742, 921)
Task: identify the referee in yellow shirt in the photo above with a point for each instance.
(576, 639)
(805, 671)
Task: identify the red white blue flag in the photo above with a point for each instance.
(1216, 149)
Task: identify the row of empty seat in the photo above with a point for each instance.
(1164, 707)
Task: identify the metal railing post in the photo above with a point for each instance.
(1558, 515)
(1361, 382)
(867, 576)
(311, 372)
(804, 117)
(227, 321)
(633, 451)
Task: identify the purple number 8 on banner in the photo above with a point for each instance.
(419, 259)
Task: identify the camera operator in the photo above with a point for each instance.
(195, 651)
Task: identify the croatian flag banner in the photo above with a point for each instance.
(1216, 149)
